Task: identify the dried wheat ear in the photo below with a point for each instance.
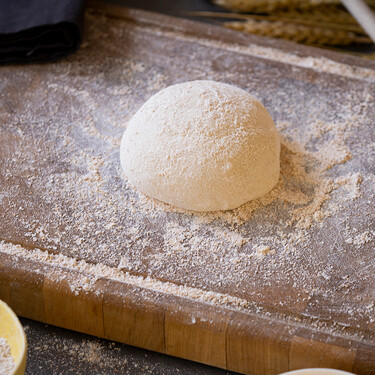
(299, 33)
(314, 22)
(266, 6)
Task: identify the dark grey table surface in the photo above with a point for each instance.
(53, 350)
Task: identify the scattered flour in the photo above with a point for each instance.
(320, 64)
(66, 204)
(7, 363)
(262, 250)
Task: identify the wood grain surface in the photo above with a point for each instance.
(83, 250)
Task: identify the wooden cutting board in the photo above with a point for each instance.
(281, 283)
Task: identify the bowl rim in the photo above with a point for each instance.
(317, 371)
(20, 361)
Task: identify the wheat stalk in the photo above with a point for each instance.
(285, 17)
(298, 33)
(320, 14)
(316, 22)
(267, 6)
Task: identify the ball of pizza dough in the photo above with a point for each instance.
(202, 146)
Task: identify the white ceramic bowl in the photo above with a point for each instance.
(317, 371)
(12, 330)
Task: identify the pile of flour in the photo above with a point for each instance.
(7, 363)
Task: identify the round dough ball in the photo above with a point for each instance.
(202, 146)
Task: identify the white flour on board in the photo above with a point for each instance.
(82, 210)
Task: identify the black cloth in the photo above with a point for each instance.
(39, 30)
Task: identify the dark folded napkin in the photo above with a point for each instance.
(39, 30)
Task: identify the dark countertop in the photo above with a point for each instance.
(53, 350)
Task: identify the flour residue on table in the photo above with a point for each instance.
(298, 245)
(7, 363)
